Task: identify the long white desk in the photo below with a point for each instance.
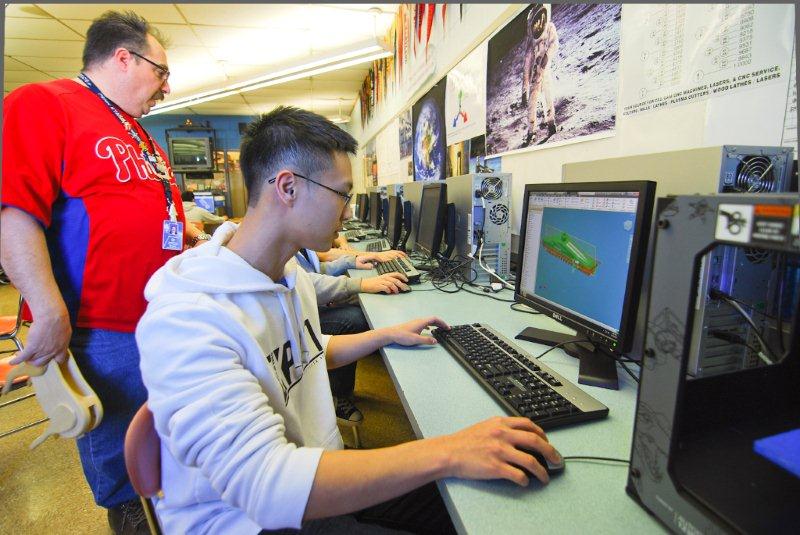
(440, 397)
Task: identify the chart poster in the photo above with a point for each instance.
(406, 141)
(465, 98)
(552, 76)
(427, 117)
(790, 119)
(681, 53)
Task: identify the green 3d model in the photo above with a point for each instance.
(565, 248)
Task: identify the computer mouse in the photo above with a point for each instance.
(353, 240)
(551, 468)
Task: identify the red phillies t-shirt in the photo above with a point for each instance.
(69, 163)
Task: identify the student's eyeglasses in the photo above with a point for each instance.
(345, 196)
(163, 71)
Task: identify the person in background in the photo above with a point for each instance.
(339, 315)
(75, 158)
(198, 213)
(241, 402)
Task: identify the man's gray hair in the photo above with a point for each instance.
(113, 30)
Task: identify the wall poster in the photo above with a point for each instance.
(552, 76)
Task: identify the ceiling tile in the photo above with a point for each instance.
(51, 49)
(280, 16)
(26, 77)
(63, 74)
(178, 35)
(28, 28)
(10, 64)
(80, 26)
(11, 86)
(212, 108)
(52, 64)
(25, 10)
(152, 12)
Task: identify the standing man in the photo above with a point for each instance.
(74, 158)
(541, 46)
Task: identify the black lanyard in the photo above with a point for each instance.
(157, 163)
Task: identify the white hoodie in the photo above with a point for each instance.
(234, 365)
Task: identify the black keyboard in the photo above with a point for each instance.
(399, 265)
(378, 246)
(522, 385)
(354, 234)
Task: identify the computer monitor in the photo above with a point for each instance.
(363, 207)
(581, 258)
(375, 210)
(432, 210)
(394, 221)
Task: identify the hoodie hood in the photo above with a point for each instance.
(212, 268)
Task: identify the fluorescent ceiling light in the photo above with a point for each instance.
(364, 52)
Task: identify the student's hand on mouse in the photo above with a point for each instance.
(388, 283)
(408, 333)
(490, 450)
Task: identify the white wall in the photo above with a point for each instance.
(752, 117)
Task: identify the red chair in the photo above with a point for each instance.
(143, 462)
(9, 328)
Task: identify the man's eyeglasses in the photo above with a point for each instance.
(345, 196)
(163, 71)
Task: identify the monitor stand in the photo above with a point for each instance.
(596, 368)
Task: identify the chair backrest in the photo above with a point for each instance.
(143, 454)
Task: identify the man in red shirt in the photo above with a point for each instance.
(74, 160)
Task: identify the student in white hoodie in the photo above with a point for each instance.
(235, 367)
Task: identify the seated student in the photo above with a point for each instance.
(336, 316)
(198, 213)
(235, 367)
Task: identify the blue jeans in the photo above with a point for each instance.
(342, 319)
(109, 361)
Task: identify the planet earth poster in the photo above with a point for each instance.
(427, 118)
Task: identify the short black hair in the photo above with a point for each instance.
(187, 196)
(113, 30)
(289, 137)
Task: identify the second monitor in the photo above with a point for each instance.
(432, 210)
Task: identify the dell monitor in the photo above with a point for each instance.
(394, 221)
(375, 210)
(581, 258)
(432, 211)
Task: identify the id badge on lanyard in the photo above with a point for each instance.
(172, 232)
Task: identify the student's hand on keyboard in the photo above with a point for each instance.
(379, 257)
(365, 261)
(408, 333)
(490, 450)
(389, 283)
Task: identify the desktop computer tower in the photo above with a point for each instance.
(394, 189)
(483, 213)
(718, 169)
